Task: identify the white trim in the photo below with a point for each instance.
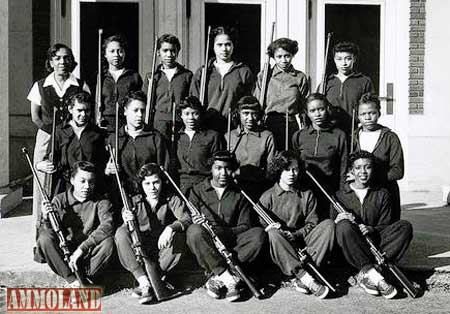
(75, 29)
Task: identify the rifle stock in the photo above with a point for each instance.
(203, 79)
(54, 220)
(216, 240)
(151, 267)
(149, 110)
(304, 258)
(378, 255)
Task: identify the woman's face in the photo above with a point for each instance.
(168, 54)
(283, 58)
(191, 118)
(134, 113)
(317, 112)
(62, 61)
(223, 47)
(152, 186)
(290, 175)
(368, 115)
(115, 54)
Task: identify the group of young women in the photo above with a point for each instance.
(191, 123)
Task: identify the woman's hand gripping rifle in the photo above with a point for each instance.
(235, 268)
(379, 256)
(152, 268)
(55, 222)
(303, 256)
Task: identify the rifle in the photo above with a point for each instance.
(55, 221)
(379, 256)
(303, 255)
(265, 76)
(149, 109)
(99, 120)
(205, 70)
(49, 187)
(229, 130)
(116, 132)
(352, 136)
(151, 267)
(286, 131)
(217, 242)
(324, 74)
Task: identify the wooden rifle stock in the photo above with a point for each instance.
(152, 269)
(99, 120)
(54, 220)
(265, 76)
(379, 256)
(325, 63)
(217, 242)
(304, 257)
(149, 110)
(203, 79)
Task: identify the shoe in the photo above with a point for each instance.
(215, 288)
(147, 295)
(387, 290)
(233, 292)
(136, 293)
(319, 290)
(369, 286)
(301, 287)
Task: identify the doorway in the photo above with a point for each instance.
(246, 19)
(113, 18)
(359, 24)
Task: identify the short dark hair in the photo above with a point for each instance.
(51, 52)
(287, 44)
(149, 170)
(370, 98)
(191, 102)
(82, 98)
(224, 156)
(346, 46)
(117, 38)
(361, 154)
(81, 165)
(168, 38)
(224, 30)
(281, 161)
(249, 102)
(134, 95)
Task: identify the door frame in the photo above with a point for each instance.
(386, 52)
(76, 34)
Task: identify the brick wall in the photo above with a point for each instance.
(416, 55)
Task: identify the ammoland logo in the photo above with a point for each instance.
(54, 300)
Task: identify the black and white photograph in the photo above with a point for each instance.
(224, 156)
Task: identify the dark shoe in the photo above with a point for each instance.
(301, 287)
(369, 286)
(387, 290)
(215, 288)
(147, 296)
(319, 290)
